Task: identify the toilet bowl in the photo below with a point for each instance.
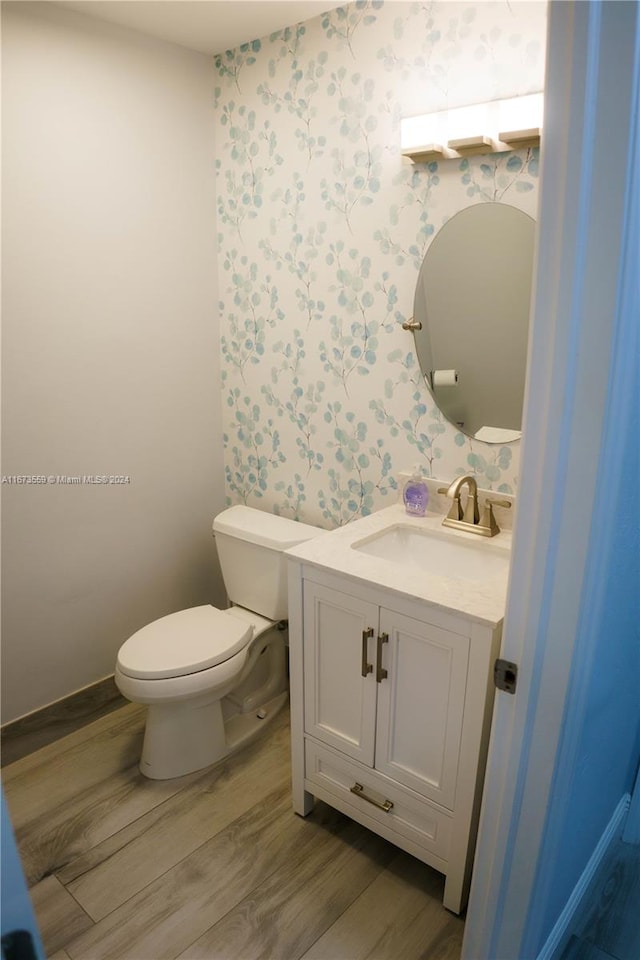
(210, 678)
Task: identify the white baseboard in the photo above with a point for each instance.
(563, 924)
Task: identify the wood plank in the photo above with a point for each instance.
(29, 733)
(208, 871)
(72, 795)
(59, 837)
(399, 915)
(36, 785)
(288, 911)
(59, 916)
(115, 870)
(177, 908)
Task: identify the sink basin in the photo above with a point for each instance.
(436, 552)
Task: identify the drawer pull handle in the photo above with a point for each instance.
(367, 667)
(358, 789)
(381, 673)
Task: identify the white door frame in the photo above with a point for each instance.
(589, 89)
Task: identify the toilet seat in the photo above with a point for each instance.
(206, 637)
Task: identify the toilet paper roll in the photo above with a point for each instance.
(444, 378)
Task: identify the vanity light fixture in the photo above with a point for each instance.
(491, 127)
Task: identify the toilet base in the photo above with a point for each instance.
(185, 735)
(182, 738)
(244, 727)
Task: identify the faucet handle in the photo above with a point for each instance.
(488, 520)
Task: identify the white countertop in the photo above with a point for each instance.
(483, 600)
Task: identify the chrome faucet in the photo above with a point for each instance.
(469, 519)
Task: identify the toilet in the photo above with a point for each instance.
(210, 678)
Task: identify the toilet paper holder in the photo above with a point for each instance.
(412, 324)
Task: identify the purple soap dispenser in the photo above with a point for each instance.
(415, 494)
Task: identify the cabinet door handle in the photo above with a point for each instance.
(367, 667)
(381, 673)
(358, 789)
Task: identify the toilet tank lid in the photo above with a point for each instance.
(264, 529)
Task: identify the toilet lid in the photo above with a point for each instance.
(182, 643)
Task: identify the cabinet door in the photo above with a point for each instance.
(339, 672)
(421, 705)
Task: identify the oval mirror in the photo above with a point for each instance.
(472, 299)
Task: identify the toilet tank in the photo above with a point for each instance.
(250, 549)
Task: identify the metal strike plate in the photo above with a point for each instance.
(505, 675)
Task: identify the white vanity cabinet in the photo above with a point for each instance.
(391, 702)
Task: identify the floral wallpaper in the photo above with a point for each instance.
(322, 230)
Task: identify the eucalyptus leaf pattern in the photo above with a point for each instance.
(322, 230)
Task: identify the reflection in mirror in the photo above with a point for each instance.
(472, 300)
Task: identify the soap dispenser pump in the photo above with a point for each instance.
(415, 494)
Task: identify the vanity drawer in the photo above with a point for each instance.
(367, 795)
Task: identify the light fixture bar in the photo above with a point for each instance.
(479, 128)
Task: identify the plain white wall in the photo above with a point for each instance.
(110, 343)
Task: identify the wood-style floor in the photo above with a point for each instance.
(214, 865)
